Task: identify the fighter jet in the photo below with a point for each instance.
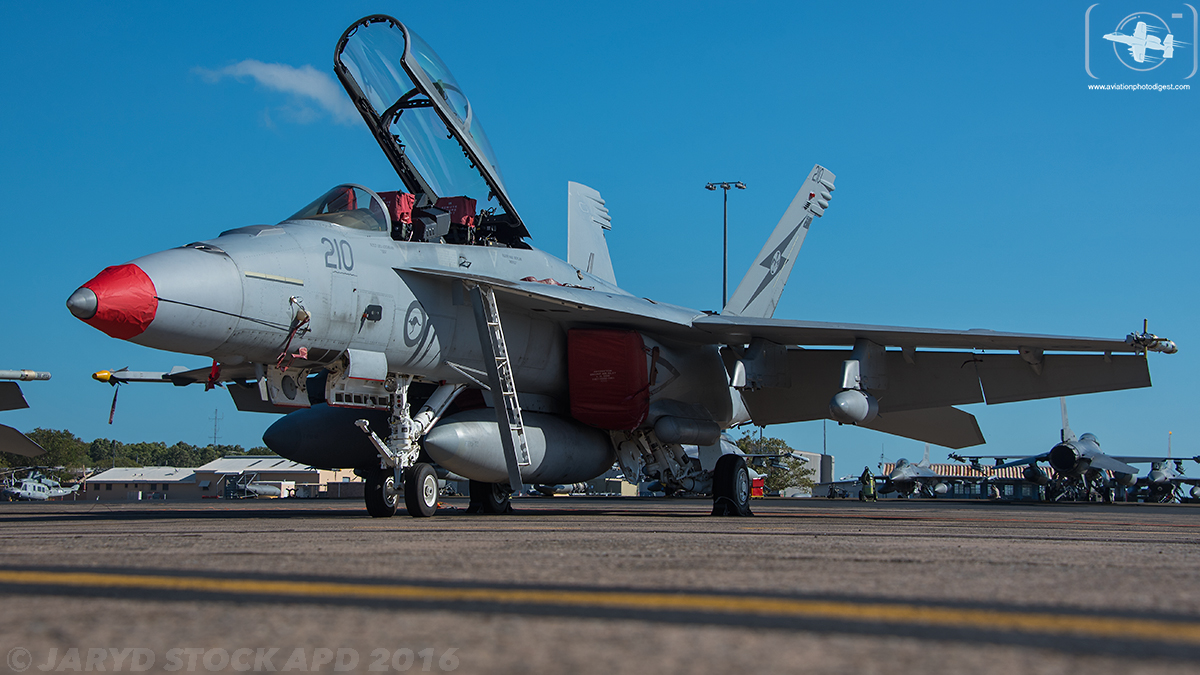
(12, 398)
(909, 478)
(1081, 468)
(418, 327)
(1139, 42)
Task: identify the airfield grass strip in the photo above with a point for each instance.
(982, 619)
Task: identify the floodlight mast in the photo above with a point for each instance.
(725, 187)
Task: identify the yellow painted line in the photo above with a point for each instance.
(978, 619)
(274, 277)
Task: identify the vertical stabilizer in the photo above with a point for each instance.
(758, 293)
(1067, 434)
(587, 219)
(925, 458)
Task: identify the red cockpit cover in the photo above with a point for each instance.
(608, 381)
(462, 209)
(399, 205)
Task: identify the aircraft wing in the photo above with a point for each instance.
(1139, 31)
(1021, 462)
(11, 397)
(1143, 459)
(920, 387)
(739, 330)
(1139, 52)
(18, 443)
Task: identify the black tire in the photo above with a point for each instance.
(381, 494)
(731, 487)
(489, 498)
(421, 490)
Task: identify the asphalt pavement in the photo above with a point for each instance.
(601, 585)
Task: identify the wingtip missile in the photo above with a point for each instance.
(1149, 342)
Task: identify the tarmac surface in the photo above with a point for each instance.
(601, 585)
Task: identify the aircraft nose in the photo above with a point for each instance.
(120, 301)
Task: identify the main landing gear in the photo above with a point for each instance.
(489, 498)
(731, 487)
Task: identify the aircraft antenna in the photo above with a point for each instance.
(216, 420)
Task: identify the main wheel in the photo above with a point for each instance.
(490, 498)
(381, 494)
(420, 490)
(731, 487)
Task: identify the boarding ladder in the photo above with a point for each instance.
(504, 388)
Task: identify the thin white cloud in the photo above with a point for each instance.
(305, 82)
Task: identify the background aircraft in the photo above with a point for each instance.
(396, 303)
(909, 478)
(12, 398)
(34, 486)
(1081, 470)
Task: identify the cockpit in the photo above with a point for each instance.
(425, 124)
(449, 220)
(350, 206)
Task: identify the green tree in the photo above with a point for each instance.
(63, 449)
(783, 470)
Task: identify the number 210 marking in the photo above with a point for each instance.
(339, 256)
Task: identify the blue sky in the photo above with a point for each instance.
(980, 183)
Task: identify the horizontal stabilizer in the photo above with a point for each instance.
(18, 443)
(1111, 464)
(11, 397)
(1024, 461)
(947, 427)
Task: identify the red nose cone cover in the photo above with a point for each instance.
(125, 301)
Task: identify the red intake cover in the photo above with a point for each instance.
(608, 380)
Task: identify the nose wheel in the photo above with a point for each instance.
(420, 490)
(381, 495)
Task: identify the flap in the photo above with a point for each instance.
(1007, 377)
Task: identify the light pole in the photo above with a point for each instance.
(725, 187)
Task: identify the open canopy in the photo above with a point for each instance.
(421, 117)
